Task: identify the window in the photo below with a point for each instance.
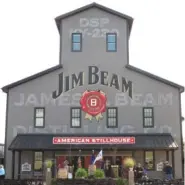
(111, 42)
(112, 121)
(76, 42)
(39, 116)
(38, 161)
(75, 117)
(148, 117)
(149, 160)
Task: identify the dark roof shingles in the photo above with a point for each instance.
(44, 141)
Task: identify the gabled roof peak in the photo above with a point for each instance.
(94, 5)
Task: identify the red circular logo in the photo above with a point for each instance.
(93, 102)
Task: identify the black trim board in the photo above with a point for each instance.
(94, 5)
(6, 129)
(181, 131)
(32, 77)
(150, 75)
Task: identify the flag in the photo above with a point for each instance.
(92, 158)
(99, 156)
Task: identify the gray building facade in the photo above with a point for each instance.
(94, 56)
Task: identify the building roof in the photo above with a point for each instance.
(32, 77)
(150, 75)
(130, 67)
(44, 142)
(58, 20)
(94, 5)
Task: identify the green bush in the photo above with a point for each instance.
(48, 164)
(121, 181)
(129, 162)
(81, 173)
(99, 174)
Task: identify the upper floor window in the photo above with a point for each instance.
(112, 117)
(39, 117)
(111, 42)
(75, 117)
(148, 117)
(76, 42)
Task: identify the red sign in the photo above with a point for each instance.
(93, 103)
(94, 140)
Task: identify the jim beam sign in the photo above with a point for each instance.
(93, 103)
(94, 76)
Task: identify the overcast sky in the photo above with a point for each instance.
(29, 40)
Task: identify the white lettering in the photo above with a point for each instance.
(84, 22)
(63, 140)
(21, 100)
(93, 102)
(93, 22)
(55, 128)
(47, 99)
(149, 100)
(18, 130)
(32, 99)
(127, 129)
(104, 21)
(165, 99)
(121, 99)
(76, 98)
(136, 100)
(64, 100)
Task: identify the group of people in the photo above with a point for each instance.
(141, 172)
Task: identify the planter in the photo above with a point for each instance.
(91, 169)
(62, 173)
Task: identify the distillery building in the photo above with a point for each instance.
(93, 100)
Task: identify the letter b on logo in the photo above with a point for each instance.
(93, 102)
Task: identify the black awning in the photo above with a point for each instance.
(45, 142)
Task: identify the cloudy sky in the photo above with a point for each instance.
(29, 40)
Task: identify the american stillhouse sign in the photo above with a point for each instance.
(94, 140)
(94, 76)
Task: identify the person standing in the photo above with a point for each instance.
(2, 174)
(138, 171)
(168, 170)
